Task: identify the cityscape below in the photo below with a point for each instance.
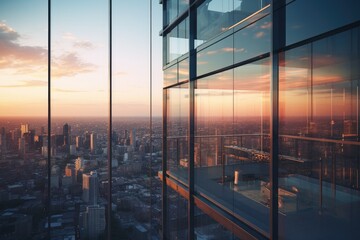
(79, 177)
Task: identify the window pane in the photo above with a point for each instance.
(177, 131)
(318, 161)
(331, 16)
(23, 120)
(79, 118)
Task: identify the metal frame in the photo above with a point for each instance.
(109, 210)
(191, 148)
(49, 123)
(164, 167)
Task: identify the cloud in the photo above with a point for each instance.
(78, 43)
(83, 44)
(120, 73)
(26, 83)
(7, 33)
(14, 55)
(67, 90)
(69, 36)
(69, 64)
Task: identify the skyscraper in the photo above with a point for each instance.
(24, 129)
(92, 222)
(260, 106)
(133, 138)
(66, 133)
(93, 142)
(90, 188)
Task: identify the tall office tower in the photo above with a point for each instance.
(79, 142)
(22, 146)
(93, 142)
(55, 176)
(24, 128)
(92, 222)
(72, 149)
(133, 138)
(70, 172)
(79, 163)
(283, 91)
(90, 188)
(87, 140)
(42, 131)
(66, 134)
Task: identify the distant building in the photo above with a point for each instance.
(24, 129)
(66, 133)
(92, 222)
(72, 149)
(70, 172)
(93, 142)
(133, 138)
(79, 142)
(90, 188)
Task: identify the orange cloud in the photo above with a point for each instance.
(27, 83)
(14, 55)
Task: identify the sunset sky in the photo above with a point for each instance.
(80, 46)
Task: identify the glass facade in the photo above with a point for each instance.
(80, 124)
(271, 120)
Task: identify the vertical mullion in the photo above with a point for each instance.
(150, 120)
(49, 122)
(164, 134)
(192, 76)
(110, 125)
(277, 42)
(164, 167)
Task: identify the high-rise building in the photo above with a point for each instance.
(133, 138)
(261, 119)
(66, 134)
(70, 172)
(92, 222)
(93, 142)
(24, 128)
(79, 142)
(90, 188)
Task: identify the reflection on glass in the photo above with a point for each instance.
(183, 71)
(216, 56)
(232, 141)
(171, 75)
(222, 14)
(319, 134)
(208, 228)
(177, 130)
(177, 41)
(174, 8)
(331, 16)
(253, 40)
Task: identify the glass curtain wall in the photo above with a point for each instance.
(136, 121)
(319, 150)
(232, 117)
(79, 115)
(23, 120)
(65, 196)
